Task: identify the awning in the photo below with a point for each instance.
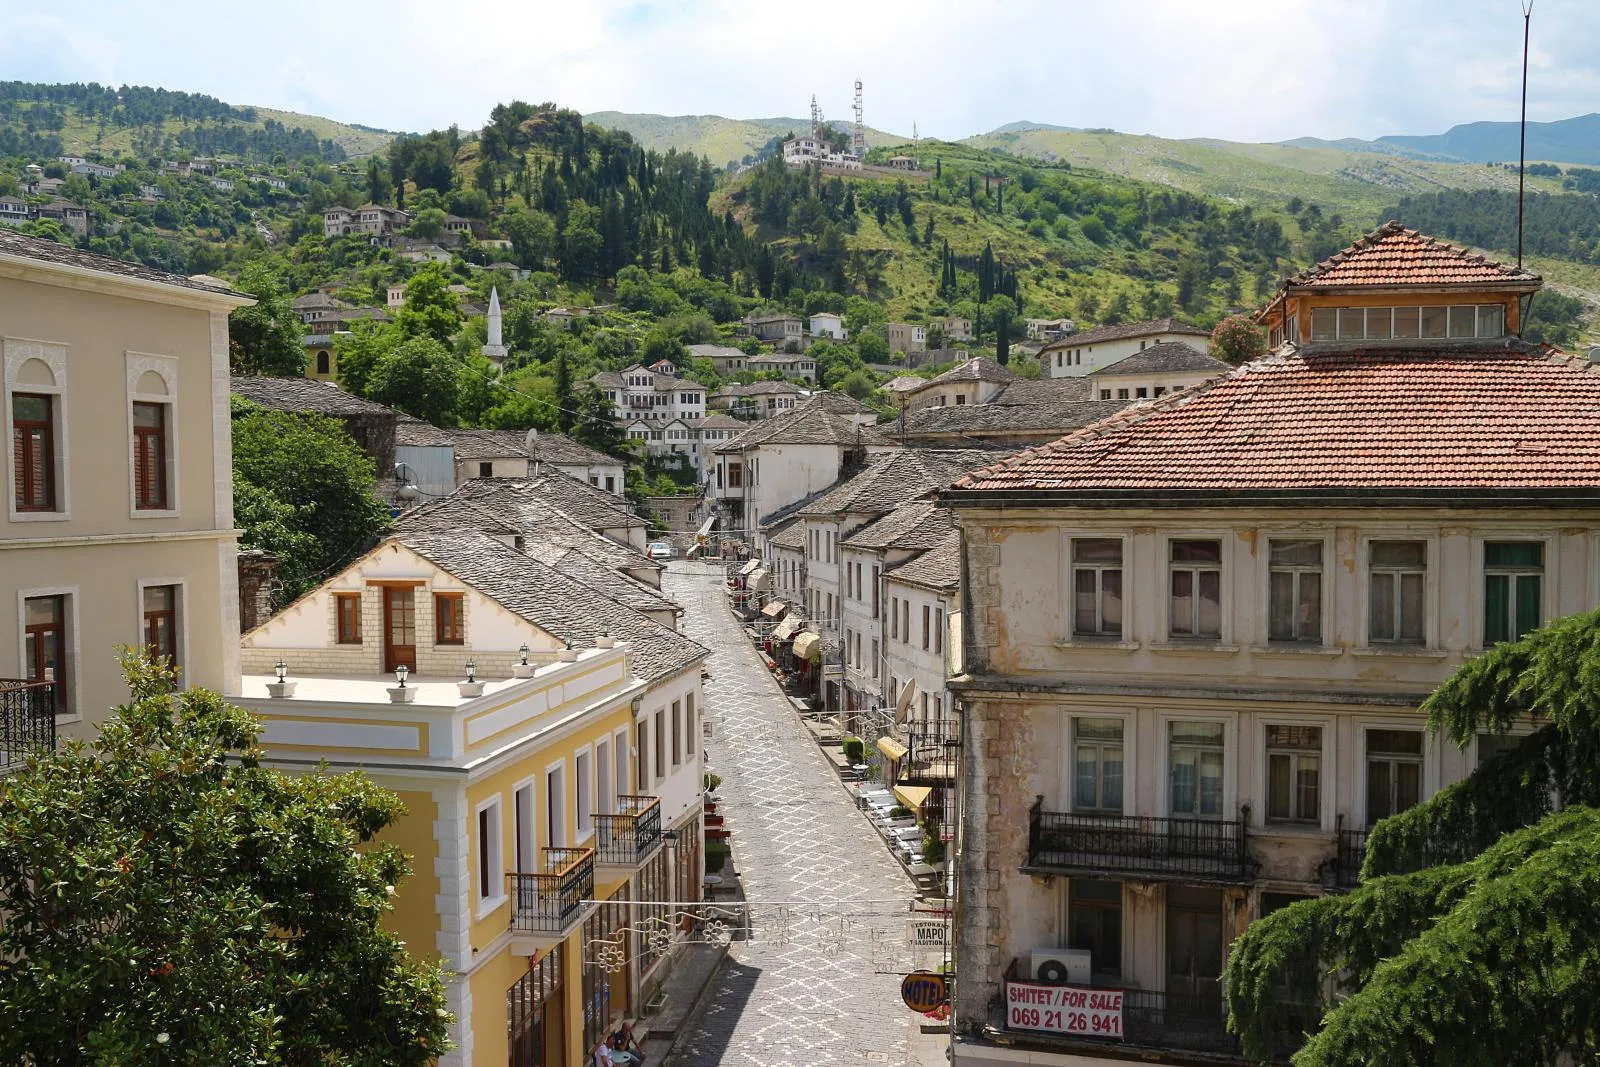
(774, 609)
(808, 646)
(787, 628)
(705, 527)
(761, 579)
(912, 796)
(750, 565)
(892, 748)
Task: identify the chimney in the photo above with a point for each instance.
(258, 581)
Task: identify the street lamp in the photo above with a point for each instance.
(523, 651)
(472, 670)
(282, 670)
(400, 674)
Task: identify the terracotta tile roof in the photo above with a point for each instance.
(1393, 255)
(1471, 421)
(1164, 358)
(1124, 330)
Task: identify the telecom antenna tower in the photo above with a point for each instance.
(858, 136)
(816, 116)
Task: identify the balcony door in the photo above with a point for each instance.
(1194, 948)
(399, 628)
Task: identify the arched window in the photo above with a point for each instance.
(322, 362)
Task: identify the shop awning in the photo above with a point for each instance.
(892, 748)
(759, 579)
(912, 796)
(750, 565)
(787, 628)
(808, 646)
(705, 527)
(774, 609)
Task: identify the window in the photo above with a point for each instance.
(1491, 745)
(938, 629)
(44, 644)
(1433, 321)
(490, 865)
(905, 621)
(1194, 755)
(1323, 324)
(605, 795)
(555, 808)
(874, 591)
(1141, 393)
(322, 362)
(161, 622)
(1463, 321)
(927, 626)
(1196, 589)
(523, 833)
(1294, 591)
(1513, 582)
(690, 745)
(620, 755)
(1094, 922)
(1394, 772)
(1122, 394)
(960, 400)
(1105, 394)
(1097, 587)
(347, 615)
(150, 456)
(33, 444)
(661, 744)
(449, 618)
(1396, 586)
(486, 469)
(582, 784)
(874, 657)
(1097, 765)
(1294, 774)
(677, 732)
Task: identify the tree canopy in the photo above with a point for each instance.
(168, 900)
(1474, 936)
(265, 338)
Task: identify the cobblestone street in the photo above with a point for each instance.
(817, 990)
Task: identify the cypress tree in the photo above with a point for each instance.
(565, 414)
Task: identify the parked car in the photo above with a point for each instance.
(659, 550)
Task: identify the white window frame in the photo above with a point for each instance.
(1264, 596)
(1066, 624)
(166, 367)
(622, 761)
(74, 640)
(1327, 784)
(491, 855)
(526, 836)
(54, 356)
(555, 819)
(180, 623)
(583, 793)
(1067, 782)
(605, 791)
(1230, 748)
(1548, 588)
(1166, 637)
(1431, 759)
(1430, 592)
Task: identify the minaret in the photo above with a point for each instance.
(494, 349)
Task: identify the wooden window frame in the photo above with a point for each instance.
(152, 489)
(347, 634)
(23, 462)
(447, 630)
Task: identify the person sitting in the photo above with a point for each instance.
(613, 1051)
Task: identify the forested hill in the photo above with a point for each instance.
(88, 118)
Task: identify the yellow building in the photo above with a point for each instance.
(118, 522)
(322, 359)
(551, 803)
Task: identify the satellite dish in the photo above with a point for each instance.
(530, 442)
(407, 492)
(902, 708)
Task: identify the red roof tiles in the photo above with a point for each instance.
(1394, 255)
(1379, 420)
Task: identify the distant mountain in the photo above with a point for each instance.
(721, 140)
(1024, 124)
(1575, 140)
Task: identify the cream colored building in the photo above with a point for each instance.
(1196, 636)
(1100, 346)
(554, 809)
(118, 527)
(1156, 371)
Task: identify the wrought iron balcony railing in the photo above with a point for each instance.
(1349, 856)
(1159, 849)
(27, 720)
(931, 746)
(628, 836)
(551, 902)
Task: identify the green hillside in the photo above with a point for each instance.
(719, 139)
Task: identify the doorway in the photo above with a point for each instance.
(1194, 948)
(399, 628)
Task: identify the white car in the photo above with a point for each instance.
(659, 550)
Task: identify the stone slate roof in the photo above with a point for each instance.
(904, 383)
(791, 535)
(516, 503)
(718, 421)
(1044, 391)
(758, 389)
(895, 477)
(806, 425)
(939, 568)
(306, 394)
(563, 606)
(717, 351)
(499, 444)
(43, 251)
(1468, 422)
(1125, 330)
(917, 525)
(837, 403)
(1166, 357)
(575, 563)
(977, 419)
(977, 369)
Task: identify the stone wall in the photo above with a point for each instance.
(258, 583)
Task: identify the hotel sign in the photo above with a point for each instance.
(1060, 1009)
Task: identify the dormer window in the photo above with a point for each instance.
(1408, 323)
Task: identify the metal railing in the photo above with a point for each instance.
(1161, 849)
(1350, 853)
(27, 720)
(550, 903)
(626, 837)
(930, 750)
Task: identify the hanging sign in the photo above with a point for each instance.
(1060, 1009)
(923, 991)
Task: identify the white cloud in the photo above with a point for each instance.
(1240, 69)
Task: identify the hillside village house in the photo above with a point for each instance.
(550, 806)
(1156, 371)
(437, 461)
(1101, 346)
(724, 359)
(1196, 634)
(974, 381)
(985, 404)
(373, 220)
(73, 217)
(789, 365)
(371, 425)
(758, 400)
(784, 331)
(827, 324)
(905, 337)
(118, 526)
(1049, 329)
(955, 328)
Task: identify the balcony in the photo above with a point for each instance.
(27, 720)
(931, 747)
(629, 836)
(1350, 854)
(546, 907)
(1209, 851)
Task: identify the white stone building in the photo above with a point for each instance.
(1101, 346)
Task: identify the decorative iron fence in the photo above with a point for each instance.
(27, 720)
(551, 902)
(626, 837)
(1161, 849)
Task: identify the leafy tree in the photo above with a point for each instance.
(1238, 340)
(532, 236)
(1553, 318)
(872, 346)
(420, 377)
(428, 222)
(430, 308)
(170, 900)
(358, 351)
(1473, 936)
(266, 337)
(308, 463)
(596, 425)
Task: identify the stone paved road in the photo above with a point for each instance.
(821, 994)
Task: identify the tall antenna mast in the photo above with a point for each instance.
(816, 115)
(858, 136)
(1522, 151)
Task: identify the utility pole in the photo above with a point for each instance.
(1522, 151)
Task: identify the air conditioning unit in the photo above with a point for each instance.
(1061, 966)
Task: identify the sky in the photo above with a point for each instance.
(1243, 70)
